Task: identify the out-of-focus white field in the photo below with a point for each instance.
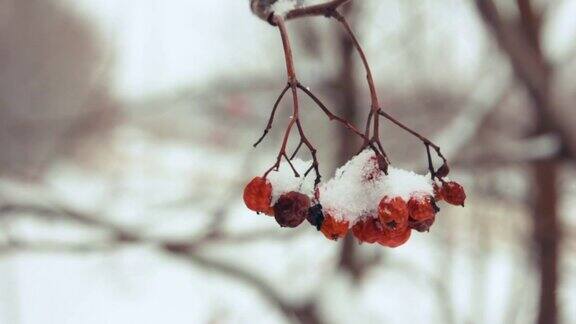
(148, 183)
(473, 267)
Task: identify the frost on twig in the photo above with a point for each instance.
(291, 9)
(266, 8)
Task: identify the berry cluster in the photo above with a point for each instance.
(377, 207)
(378, 202)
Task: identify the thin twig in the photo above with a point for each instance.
(372, 119)
(293, 84)
(376, 111)
(296, 150)
(330, 115)
(271, 119)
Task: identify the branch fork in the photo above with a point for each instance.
(370, 136)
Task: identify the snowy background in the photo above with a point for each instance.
(126, 131)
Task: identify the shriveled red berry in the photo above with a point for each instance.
(368, 229)
(421, 226)
(291, 209)
(395, 238)
(443, 171)
(258, 195)
(421, 208)
(453, 193)
(332, 228)
(393, 212)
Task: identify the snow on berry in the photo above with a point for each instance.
(453, 193)
(349, 196)
(291, 209)
(258, 195)
(405, 184)
(284, 181)
(377, 207)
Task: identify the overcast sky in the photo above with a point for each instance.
(157, 45)
(160, 44)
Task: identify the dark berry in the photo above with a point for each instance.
(291, 209)
(421, 226)
(315, 216)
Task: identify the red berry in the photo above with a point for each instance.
(453, 193)
(291, 209)
(437, 192)
(421, 226)
(371, 230)
(332, 228)
(421, 208)
(368, 229)
(258, 195)
(393, 212)
(395, 238)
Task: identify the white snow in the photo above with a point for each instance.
(349, 196)
(282, 7)
(284, 180)
(406, 184)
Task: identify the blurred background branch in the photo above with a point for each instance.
(125, 138)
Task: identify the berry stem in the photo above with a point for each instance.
(371, 135)
(330, 115)
(376, 111)
(293, 85)
(424, 140)
(296, 150)
(430, 164)
(271, 119)
(372, 120)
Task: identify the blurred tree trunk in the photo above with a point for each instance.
(347, 144)
(546, 232)
(546, 237)
(521, 41)
(53, 94)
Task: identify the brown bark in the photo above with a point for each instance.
(347, 145)
(523, 47)
(546, 237)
